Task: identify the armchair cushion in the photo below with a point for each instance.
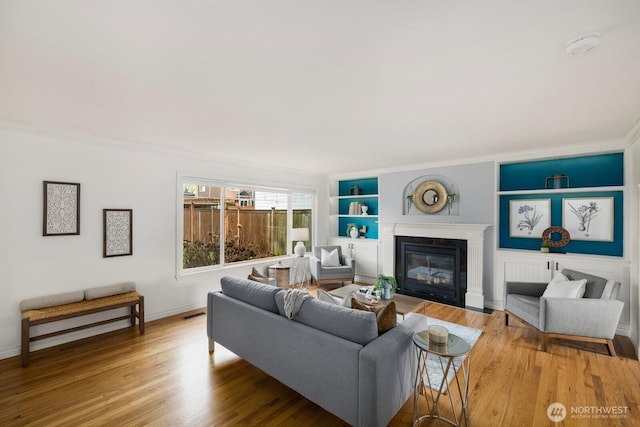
(329, 259)
(561, 287)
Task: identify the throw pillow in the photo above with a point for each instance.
(324, 296)
(330, 259)
(561, 287)
(385, 315)
(261, 279)
(256, 273)
(346, 301)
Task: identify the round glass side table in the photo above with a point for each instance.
(442, 370)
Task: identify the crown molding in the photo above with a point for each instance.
(144, 147)
(597, 147)
(634, 134)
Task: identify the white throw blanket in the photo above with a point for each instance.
(293, 300)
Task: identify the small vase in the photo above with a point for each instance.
(386, 290)
(354, 233)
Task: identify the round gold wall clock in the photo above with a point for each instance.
(430, 197)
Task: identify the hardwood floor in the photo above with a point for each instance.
(167, 378)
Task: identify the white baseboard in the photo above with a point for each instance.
(74, 336)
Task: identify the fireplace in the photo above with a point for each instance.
(473, 234)
(432, 268)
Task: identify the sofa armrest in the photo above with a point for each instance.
(587, 317)
(314, 266)
(532, 289)
(347, 260)
(387, 372)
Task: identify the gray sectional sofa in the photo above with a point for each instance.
(330, 354)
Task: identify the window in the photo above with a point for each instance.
(221, 224)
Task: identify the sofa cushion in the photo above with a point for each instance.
(51, 300)
(254, 293)
(353, 325)
(386, 318)
(109, 290)
(561, 287)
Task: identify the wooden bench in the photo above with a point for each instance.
(54, 313)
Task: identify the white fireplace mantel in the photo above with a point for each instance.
(472, 233)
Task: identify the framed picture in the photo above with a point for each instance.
(529, 218)
(588, 218)
(61, 214)
(118, 232)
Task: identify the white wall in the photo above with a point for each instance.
(111, 176)
(634, 227)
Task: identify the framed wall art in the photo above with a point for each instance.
(118, 232)
(588, 218)
(61, 208)
(529, 217)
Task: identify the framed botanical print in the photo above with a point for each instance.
(529, 218)
(61, 208)
(118, 232)
(588, 218)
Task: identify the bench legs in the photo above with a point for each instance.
(139, 314)
(25, 342)
(26, 326)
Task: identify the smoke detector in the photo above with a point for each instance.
(583, 44)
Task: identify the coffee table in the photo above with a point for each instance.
(404, 303)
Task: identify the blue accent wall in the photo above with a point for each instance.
(587, 172)
(368, 186)
(614, 248)
(601, 170)
(359, 221)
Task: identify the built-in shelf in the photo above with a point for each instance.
(347, 197)
(559, 190)
(596, 177)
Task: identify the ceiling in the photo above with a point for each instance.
(327, 86)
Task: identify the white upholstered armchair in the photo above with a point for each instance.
(329, 264)
(591, 317)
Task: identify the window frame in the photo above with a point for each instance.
(203, 179)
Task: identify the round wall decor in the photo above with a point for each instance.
(550, 233)
(430, 196)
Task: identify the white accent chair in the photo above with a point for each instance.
(346, 271)
(592, 318)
